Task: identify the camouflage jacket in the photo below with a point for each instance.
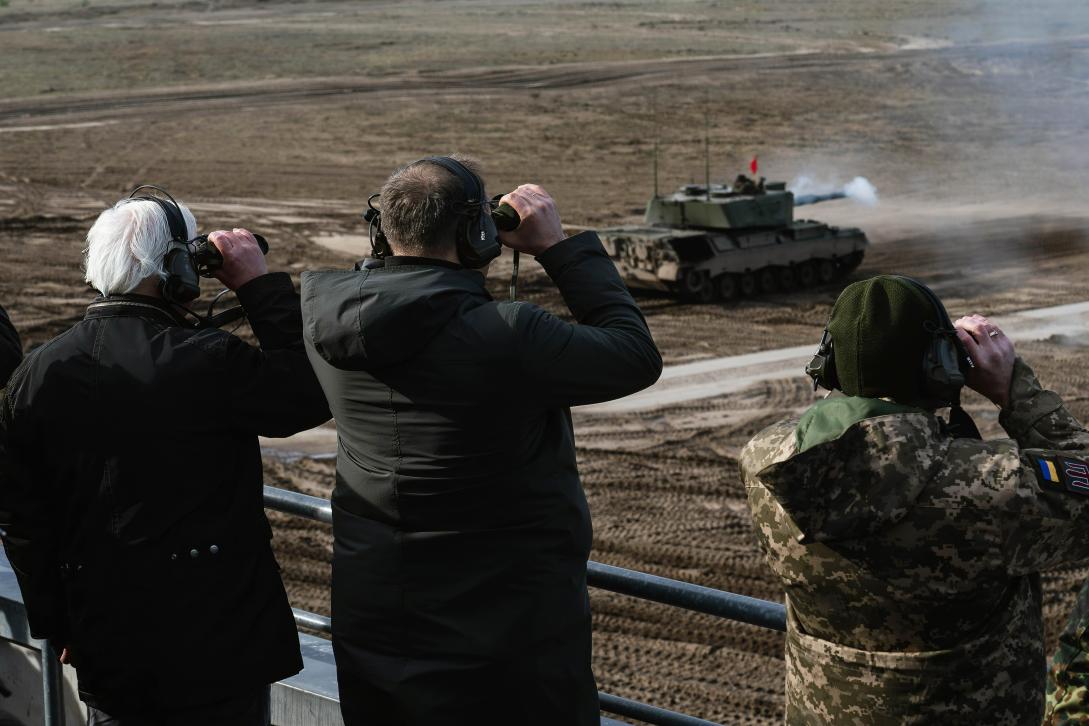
(911, 559)
(1068, 676)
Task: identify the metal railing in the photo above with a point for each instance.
(663, 590)
(52, 687)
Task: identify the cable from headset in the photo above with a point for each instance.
(373, 216)
(507, 220)
(215, 300)
(514, 278)
(201, 322)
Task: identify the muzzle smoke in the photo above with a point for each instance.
(859, 189)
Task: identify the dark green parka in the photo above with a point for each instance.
(460, 522)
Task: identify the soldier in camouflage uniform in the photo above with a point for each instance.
(911, 558)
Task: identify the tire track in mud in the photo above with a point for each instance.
(114, 104)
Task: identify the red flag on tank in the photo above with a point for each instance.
(752, 165)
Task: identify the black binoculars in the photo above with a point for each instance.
(206, 257)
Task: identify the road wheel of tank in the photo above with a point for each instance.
(769, 281)
(746, 284)
(727, 286)
(826, 271)
(806, 274)
(708, 293)
(692, 284)
(787, 279)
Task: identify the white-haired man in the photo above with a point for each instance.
(132, 511)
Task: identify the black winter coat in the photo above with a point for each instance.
(133, 513)
(458, 500)
(11, 349)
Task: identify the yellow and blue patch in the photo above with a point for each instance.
(1047, 468)
(1062, 473)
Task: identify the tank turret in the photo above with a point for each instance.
(718, 241)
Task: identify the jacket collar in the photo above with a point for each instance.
(141, 306)
(407, 260)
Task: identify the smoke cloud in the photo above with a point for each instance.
(859, 189)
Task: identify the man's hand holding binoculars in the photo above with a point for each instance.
(992, 352)
(540, 226)
(242, 257)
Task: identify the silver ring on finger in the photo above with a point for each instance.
(994, 333)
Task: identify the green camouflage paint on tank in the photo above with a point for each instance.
(725, 241)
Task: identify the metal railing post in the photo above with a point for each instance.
(52, 687)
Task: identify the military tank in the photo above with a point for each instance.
(719, 242)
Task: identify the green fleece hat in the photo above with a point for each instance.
(880, 330)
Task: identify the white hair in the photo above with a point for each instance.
(127, 244)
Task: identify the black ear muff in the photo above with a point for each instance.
(945, 363)
(822, 368)
(941, 368)
(945, 359)
(477, 237)
(181, 282)
(380, 248)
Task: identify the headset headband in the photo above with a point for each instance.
(175, 220)
(180, 282)
(470, 182)
(477, 238)
(939, 307)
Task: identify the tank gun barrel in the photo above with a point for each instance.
(804, 199)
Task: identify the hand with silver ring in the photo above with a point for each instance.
(993, 355)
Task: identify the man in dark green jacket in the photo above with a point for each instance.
(461, 528)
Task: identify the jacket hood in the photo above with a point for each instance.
(859, 466)
(372, 318)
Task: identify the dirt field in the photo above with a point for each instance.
(969, 118)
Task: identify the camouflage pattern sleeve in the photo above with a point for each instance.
(1039, 488)
(1037, 419)
(775, 443)
(1068, 675)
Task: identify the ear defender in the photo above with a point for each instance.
(477, 237)
(380, 248)
(942, 369)
(181, 282)
(822, 368)
(945, 359)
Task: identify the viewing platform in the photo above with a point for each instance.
(36, 691)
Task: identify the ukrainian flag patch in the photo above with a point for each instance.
(1047, 468)
(1061, 473)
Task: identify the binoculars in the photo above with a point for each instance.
(206, 257)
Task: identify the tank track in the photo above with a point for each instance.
(699, 287)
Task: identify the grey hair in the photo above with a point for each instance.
(421, 205)
(127, 244)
